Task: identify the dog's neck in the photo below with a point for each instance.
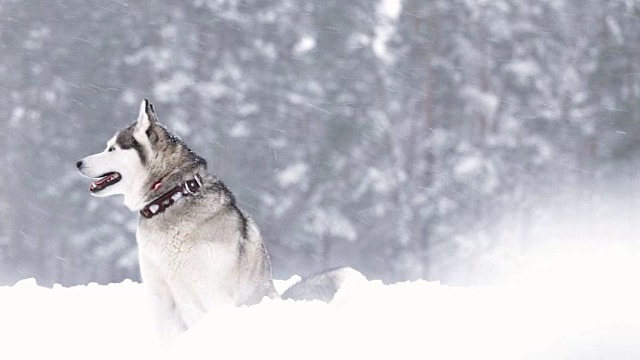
(160, 204)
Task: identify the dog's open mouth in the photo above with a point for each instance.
(104, 181)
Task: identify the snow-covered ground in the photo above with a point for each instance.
(582, 314)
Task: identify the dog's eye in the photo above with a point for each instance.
(111, 148)
(135, 142)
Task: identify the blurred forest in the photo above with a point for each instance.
(408, 139)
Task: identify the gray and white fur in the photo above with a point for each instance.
(203, 251)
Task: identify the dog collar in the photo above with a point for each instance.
(161, 204)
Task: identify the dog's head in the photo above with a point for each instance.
(137, 161)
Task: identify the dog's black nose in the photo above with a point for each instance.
(79, 164)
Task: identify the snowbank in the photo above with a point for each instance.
(367, 319)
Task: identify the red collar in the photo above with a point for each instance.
(161, 204)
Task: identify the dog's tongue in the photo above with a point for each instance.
(101, 181)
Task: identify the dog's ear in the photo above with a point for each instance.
(146, 120)
(145, 116)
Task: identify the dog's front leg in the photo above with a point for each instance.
(165, 316)
(167, 320)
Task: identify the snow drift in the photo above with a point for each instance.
(550, 319)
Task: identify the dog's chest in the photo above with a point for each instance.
(166, 245)
(185, 260)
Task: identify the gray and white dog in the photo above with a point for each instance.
(197, 249)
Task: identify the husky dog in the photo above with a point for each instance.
(197, 249)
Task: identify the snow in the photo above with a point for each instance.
(535, 317)
(305, 44)
(293, 174)
(391, 8)
(388, 10)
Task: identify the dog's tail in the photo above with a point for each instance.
(322, 286)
